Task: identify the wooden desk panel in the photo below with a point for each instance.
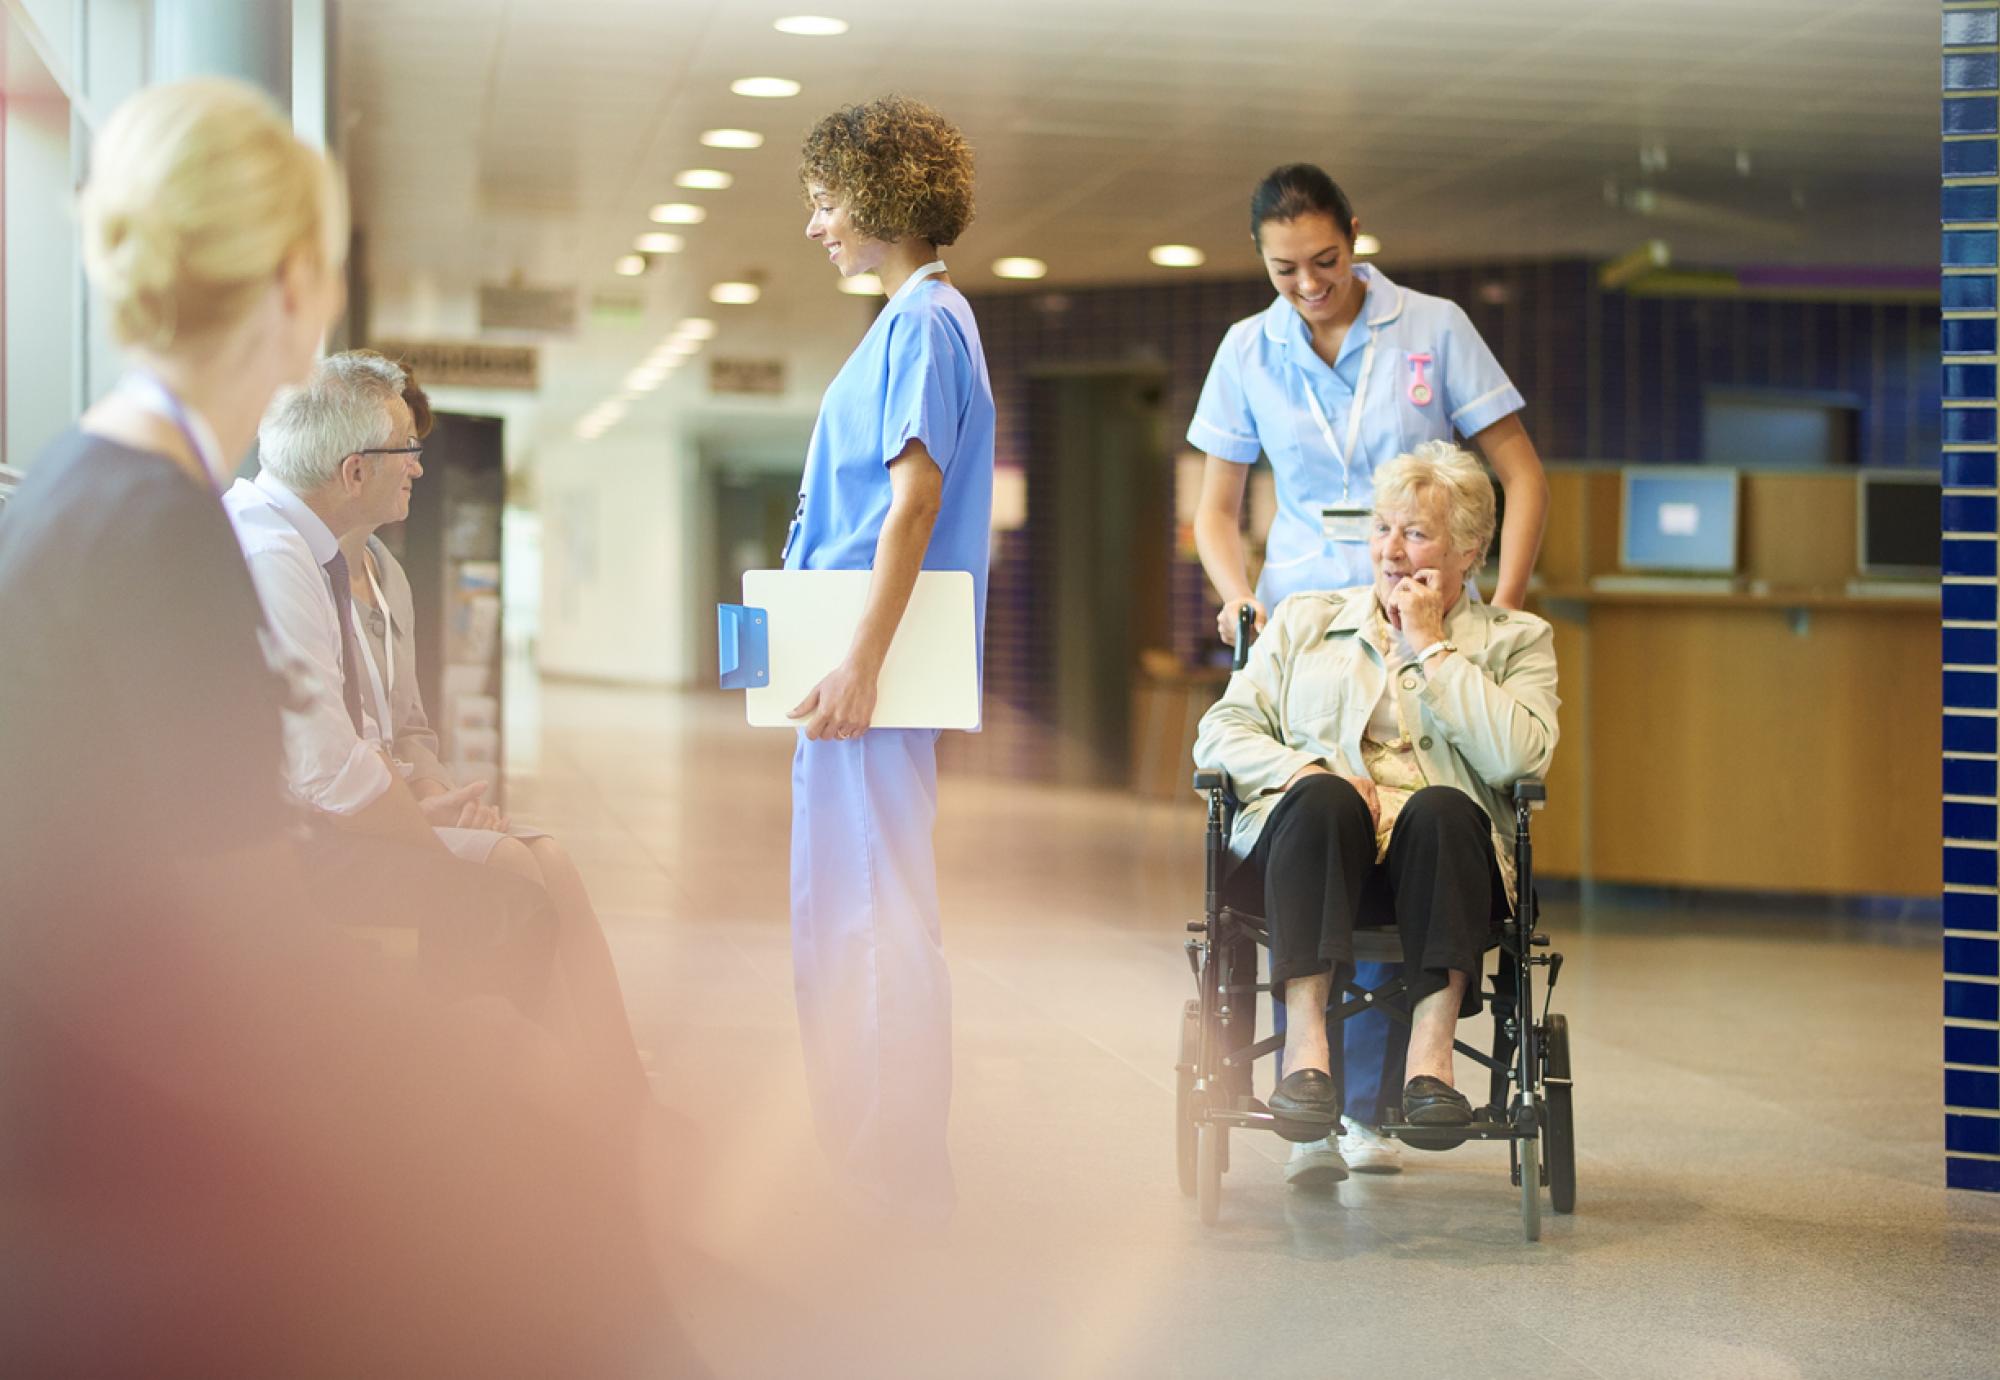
(1561, 828)
(1727, 749)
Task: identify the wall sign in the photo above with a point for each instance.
(466, 364)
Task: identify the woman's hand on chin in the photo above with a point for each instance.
(1417, 604)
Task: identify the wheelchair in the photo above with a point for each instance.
(1529, 1103)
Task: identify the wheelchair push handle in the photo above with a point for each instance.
(1246, 633)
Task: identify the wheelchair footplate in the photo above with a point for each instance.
(1251, 1113)
(1487, 1124)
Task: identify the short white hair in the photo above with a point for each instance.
(1452, 472)
(341, 408)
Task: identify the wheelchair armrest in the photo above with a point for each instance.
(1530, 791)
(1209, 779)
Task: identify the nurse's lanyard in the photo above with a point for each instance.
(929, 270)
(1340, 453)
(151, 393)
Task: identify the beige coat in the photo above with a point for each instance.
(1483, 717)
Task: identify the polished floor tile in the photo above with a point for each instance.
(1757, 1094)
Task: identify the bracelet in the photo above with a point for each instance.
(1423, 657)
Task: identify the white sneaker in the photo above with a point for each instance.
(1368, 1151)
(1315, 1164)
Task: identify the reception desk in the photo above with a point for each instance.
(1782, 736)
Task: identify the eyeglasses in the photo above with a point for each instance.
(412, 451)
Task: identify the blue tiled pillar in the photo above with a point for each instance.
(1971, 262)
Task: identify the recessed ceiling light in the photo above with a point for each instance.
(1019, 268)
(631, 265)
(765, 88)
(862, 285)
(1367, 244)
(704, 179)
(1176, 256)
(659, 242)
(811, 26)
(696, 328)
(677, 213)
(645, 380)
(732, 139)
(734, 294)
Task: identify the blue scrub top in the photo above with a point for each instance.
(919, 373)
(1255, 401)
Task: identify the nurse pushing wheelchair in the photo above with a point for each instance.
(1344, 371)
(1371, 767)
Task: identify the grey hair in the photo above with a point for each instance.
(341, 408)
(1452, 472)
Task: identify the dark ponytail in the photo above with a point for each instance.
(1299, 189)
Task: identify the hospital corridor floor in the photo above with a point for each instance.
(1757, 1103)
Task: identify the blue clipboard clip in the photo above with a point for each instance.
(743, 639)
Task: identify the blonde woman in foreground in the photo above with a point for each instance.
(227, 1147)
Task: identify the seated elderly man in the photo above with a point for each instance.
(1372, 738)
(338, 457)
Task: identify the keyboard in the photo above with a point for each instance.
(1919, 590)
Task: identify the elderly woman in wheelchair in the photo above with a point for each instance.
(1372, 739)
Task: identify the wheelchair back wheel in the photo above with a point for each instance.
(1184, 1124)
(1559, 1121)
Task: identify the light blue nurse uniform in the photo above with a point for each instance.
(868, 963)
(1255, 402)
(1411, 369)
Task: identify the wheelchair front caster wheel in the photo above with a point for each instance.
(1531, 1196)
(1208, 1172)
(1185, 1130)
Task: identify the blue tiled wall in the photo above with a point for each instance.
(1970, 337)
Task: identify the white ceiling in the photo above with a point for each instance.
(497, 140)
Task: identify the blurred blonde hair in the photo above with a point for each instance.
(1452, 472)
(198, 193)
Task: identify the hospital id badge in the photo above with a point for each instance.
(1344, 523)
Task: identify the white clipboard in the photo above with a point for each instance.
(930, 678)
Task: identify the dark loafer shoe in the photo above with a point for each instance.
(1431, 1101)
(1306, 1103)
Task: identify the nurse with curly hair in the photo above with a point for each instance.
(899, 478)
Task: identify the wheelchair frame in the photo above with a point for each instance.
(1530, 1094)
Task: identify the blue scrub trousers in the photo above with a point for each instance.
(1369, 1048)
(874, 995)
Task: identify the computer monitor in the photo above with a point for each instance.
(1898, 523)
(1679, 520)
(1780, 430)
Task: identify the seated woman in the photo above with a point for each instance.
(1372, 738)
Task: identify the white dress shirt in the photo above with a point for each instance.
(327, 764)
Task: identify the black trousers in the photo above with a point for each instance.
(480, 931)
(1440, 885)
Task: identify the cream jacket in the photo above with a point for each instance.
(1483, 716)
